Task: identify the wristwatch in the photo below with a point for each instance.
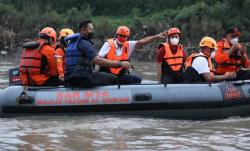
(120, 64)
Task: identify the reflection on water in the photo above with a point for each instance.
(122, 133)
(107, 133)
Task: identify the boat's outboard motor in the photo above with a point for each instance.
(14, 76)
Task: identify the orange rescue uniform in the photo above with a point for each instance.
(49, 69)
(60, 60)
(226, 63)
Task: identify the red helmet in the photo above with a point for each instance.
(49, 32)
(173, 31)
(123, 30)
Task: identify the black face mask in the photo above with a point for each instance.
(90, 35)
(62, 42)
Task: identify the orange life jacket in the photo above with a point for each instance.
(31, 60)
(231, 64)
(38, 64)
(112, 55)
(190, 59)
(175, 61)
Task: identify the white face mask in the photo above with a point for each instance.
(174, 41)
(212, 54)
(234, 41)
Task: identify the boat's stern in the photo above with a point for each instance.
(8, 97)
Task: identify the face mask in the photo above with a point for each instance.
(234, 41)
(174, 41)
(122, 39)
(62, 42)
(212, 54)
(90, 35)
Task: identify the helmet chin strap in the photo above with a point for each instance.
(50, 40)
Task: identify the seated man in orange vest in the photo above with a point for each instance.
(231, 55)
(60, 51)
(120, 49)
(38, 65)
(199, 65)
(171, 58)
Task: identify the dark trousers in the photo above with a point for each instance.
(129, 79)
(97, 79)
(52, 81)
(171, 78)
(243, 75)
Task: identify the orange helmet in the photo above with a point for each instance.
(173, 31)
(123, 30)
(49, 32)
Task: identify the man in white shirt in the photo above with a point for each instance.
(200, 67)
(200, 64)
(120, 49)
(105, 48)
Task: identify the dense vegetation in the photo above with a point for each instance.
(22, 19)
